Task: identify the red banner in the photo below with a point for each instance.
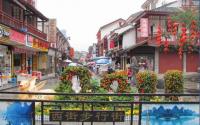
(17, 37)
(144, 27)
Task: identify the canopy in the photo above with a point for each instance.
(73, 64)
(103, 61)
(68, 61)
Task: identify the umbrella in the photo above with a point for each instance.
(72, 64)
(103, 61)
(68, 61)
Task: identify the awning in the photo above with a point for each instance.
(124, 29)
(136, 45)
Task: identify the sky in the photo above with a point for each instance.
(82, 18)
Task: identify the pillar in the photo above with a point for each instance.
(184, 62)
(156, 58)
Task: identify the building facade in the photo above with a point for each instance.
(22, 43)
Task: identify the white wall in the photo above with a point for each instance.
(106, 31)
(129, 39)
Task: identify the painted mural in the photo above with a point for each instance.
(170, 114)
(16, 113)
(20, 113)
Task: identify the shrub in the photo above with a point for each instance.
(173, 83)
(123, 86)
(146, 82)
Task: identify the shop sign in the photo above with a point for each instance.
(29, 41)
(4, 32)
(35, 43)
(87, 116)
(17, 37)
(40, 44)
(144, 27)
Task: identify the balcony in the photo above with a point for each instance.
(151, 39)
(20, 25)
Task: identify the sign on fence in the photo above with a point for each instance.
(87, 116)
(175, 114)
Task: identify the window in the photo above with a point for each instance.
(7, 7)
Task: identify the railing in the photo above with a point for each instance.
(20, 25)
(85, 102)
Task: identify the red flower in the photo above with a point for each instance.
(142, 90)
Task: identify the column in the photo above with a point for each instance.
(1, 5)
(156, 62)
(184, 62)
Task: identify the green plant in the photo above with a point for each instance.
(123, 85)
(173, 83)
(146, 83)
(83, 74)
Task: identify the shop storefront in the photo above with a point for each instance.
(5, 64)
(5, 55)
(40, 61)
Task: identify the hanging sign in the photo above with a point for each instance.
(87, 116)
(29, 41)
(4, 33)
(144, 27)
(17, 37)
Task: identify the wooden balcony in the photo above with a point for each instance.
(151, 40)
(20, 25)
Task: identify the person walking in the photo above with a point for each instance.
(129, 73)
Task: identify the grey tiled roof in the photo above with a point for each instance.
(133, 16)
(167, 9)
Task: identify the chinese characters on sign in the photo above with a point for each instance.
(87, 116)
(144, 27)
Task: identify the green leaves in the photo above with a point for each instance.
(173, 82)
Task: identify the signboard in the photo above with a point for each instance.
(87, 116)
(29, 41)
(16, 113)
(17, 37)
(40, 44)
(144, 27)
(4, 33)
(170, 114)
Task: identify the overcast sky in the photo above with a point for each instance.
(82, 18)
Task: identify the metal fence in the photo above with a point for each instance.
(85, 102)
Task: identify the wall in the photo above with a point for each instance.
(169, 61)
(192, 62)
(52, 31)
(105, 31)
(129, 39)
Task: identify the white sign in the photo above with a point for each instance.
(144, 27)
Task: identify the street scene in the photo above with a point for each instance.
(73, 62)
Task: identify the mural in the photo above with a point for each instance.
(170, 114)
(20, 113)
(16, 113)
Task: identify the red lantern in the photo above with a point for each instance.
(158, 35)
(166, 46)
(174, 30)
(169, 24)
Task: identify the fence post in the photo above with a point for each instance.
(33, 112)
(42, 114)
(140, 113)
(92, 108)
(114, 110)
(83, 110)
(131, 113)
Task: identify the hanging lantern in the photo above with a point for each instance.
(158, 35)
(166, 46)
(169, 24)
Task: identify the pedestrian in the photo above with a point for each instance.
(129, 73)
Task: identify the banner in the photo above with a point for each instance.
(170, 114)
(144, 27)
(17, 37)
(16, 113)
